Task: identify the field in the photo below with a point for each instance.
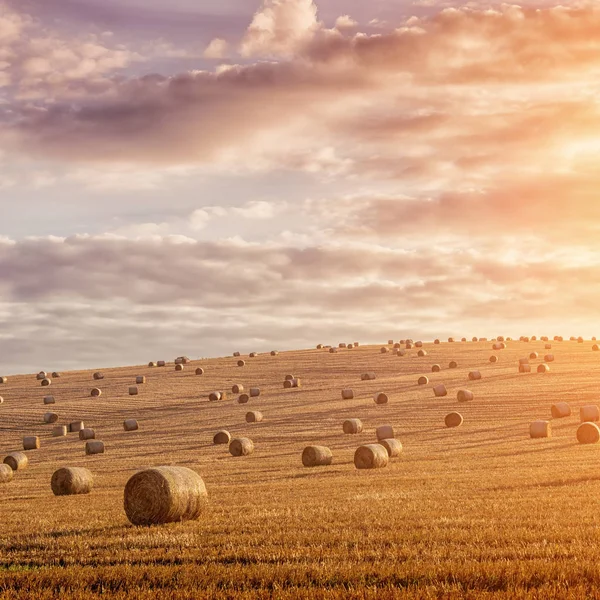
(477, 511)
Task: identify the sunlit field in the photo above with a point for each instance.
(481, 508)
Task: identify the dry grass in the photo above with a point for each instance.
(477, 511)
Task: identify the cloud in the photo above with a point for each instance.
(217, 49)
(345, 22)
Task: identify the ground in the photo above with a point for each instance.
(481, 510)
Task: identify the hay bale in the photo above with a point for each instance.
(463, 339)
(352, 426)
(31, 442)
(384, 350)
(50, 417)
(241, 363)
(199, 371)
(384, 432)
(59, 431)
(580, 340)
(241, 447)
(291, 383)
(392, 446)
(589, 413)
(253, 354)
(524, 368)
(133, 391)
(274, 353)
(540, 429)
(87, 434)
(436, 368)
(164, 495)
(453, 419)
(179, 367)
(474, 339)
(236, 354)
(316, 456)
(130, 425)
(49, 400)
(371, 456)
(548, 347)
(390, 342)
(215, 396)
(1, 400)
(533, 356)
(237, 388)
(98, 376)
(341, 345)
(549, 358)
(464, 395)
(45, 382)
(421, 353)
(440, 390)
(140, 379)
(380, 398)
(560, 410)
(94, 447)
(543, 368)
(400, 352)
(161, 363)
(588, 433)
(3, 379)
(76, 426)
(71, 481)
(16, 461)
(222, 437)
(418, 344)
(595, 347)
(423, 380)
(493, 358)
(436, 341)
(254, 392)
(347, 394)
(96, 393)
(367, 376)
(254, 417)
(475, 375)
(152, 364)
(41, 375)
(499, 346)
(55, 374)
(453, 364)
(243, 399)
(408, 346)
(6, 473)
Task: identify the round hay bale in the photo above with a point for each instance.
(215, 396)
(392, 446)
(367, 376)
(164, 495)
(16, 461)
(464, 395)
(55, 375)
(384, 432)
(436, 368)
(499, 346)
(493, 358)
(59, 431)
(254, 392)
(133, 391)
(533, 356)
(580, 340)
(289, 377)
(6, 473)
(540, 429)
(450, 340)
(390, 342)
(421, 353)
(560, 410)
(236, 354)
(76, 426)
(50, 417)
(440, 390)
(222, 437)
(524, 361)
(400, 352)
(199, 371)
(356, 344)
(595, 347)
(140, 379)
(130, 425)
(94, 447)
(152, 364)
(475, 375)
(463, 339)
(380, 398)
(237, 388)
(524, 368)
(316, 456)
(45, 382)
(1, 400)
(41, 375)
(98, 376)
(87, 434)
(589, 413)
(243, 399)
(453, 419)
(274, 353)
(347, 394)
(588, 433)
(71, 481)
(397, 345)
(352, 426)
(96, 393)
(423, 380)
(253, 354)
(342, 345)
(453, 364)
(3, 379)
(408, 346)
(474, 339)
(254, 416)
(332, 350)
(179, 367)
(548, 347)
(418, 344)
(241, 363)
(371, 456)
(161, 363)
(384, 350)
(49, 400)
(436, 341)
(241, 447)
(31, 442)
(289, 383)
(549, 358)
(543, 368)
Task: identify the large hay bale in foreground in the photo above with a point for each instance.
(222, 437)
(380, 398)
(540, 429)
(31, 442)
(440, 390)
(560, 410)
(371, 456)
(591, 412)
(352, 426)
(254, 416)
(588, 433)
(392, 446)
(71, 481)
(164, 495)
(347, 394)
(6, 473)
(316, 456)
(464, 395)
(130, 425)
(475, 375)
(241, 447)
(50, 417)
(59, 431)
(87, 433)
(94, 447)
(453, 419)
(17, 461)
(384, 432)
(423, 380)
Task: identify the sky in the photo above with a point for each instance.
(182, 177)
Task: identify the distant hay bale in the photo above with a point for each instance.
(352, 426)
(292, 383)
(560, 410)
(342, 345)
(440, 390)
(475, 375)
(464, 395)
(400, 352)
(549, 358)
(6, 473)
(133, 391)
(98, 376)
(392, 446)
(241, 363)
(332, 350)
(31, 442)
(50, 417)
(41, 375)
(164, 495)
(421, 353)
(254, 392)
(237, 388)
(450, 340)
(580, 340)
(588, 433)
(152, 364)
(548, 347)
(76, 426)
(493, 358)
(319, 346)
(474, 339)
(589, 413)
(17, 461)
(463, 339)
(347, 394)
(397, 345)
(3, 379)
(371, 456)
(140, 379)
(96, 392)
(179, 367)
(161, 363)
(222, 437)
(408, 346)
(254, 416)
(384, 350)
(499, 346)
(543, 368)
(390, 342)
(367, 376)
(94, 447)
(55, 374)
(436, 341)
(500, 338)
(130, 425)
(199, 371)
(418, 344)
(49, 400)
(533, 356)
(356, 344)
(595, 348)
(453, 419)
(59, 431)
(236, 354)
(524, 368)
(252, 355)
(423, 380)
(87, 434)
(45, 382)
(380, 398)
(316, 456)
(540, 429)
(384, 432)
(289, 377)
(274, 353)
(71, 481)
(453, 364)
(436, 368)
(241, 447)
(215, 396)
